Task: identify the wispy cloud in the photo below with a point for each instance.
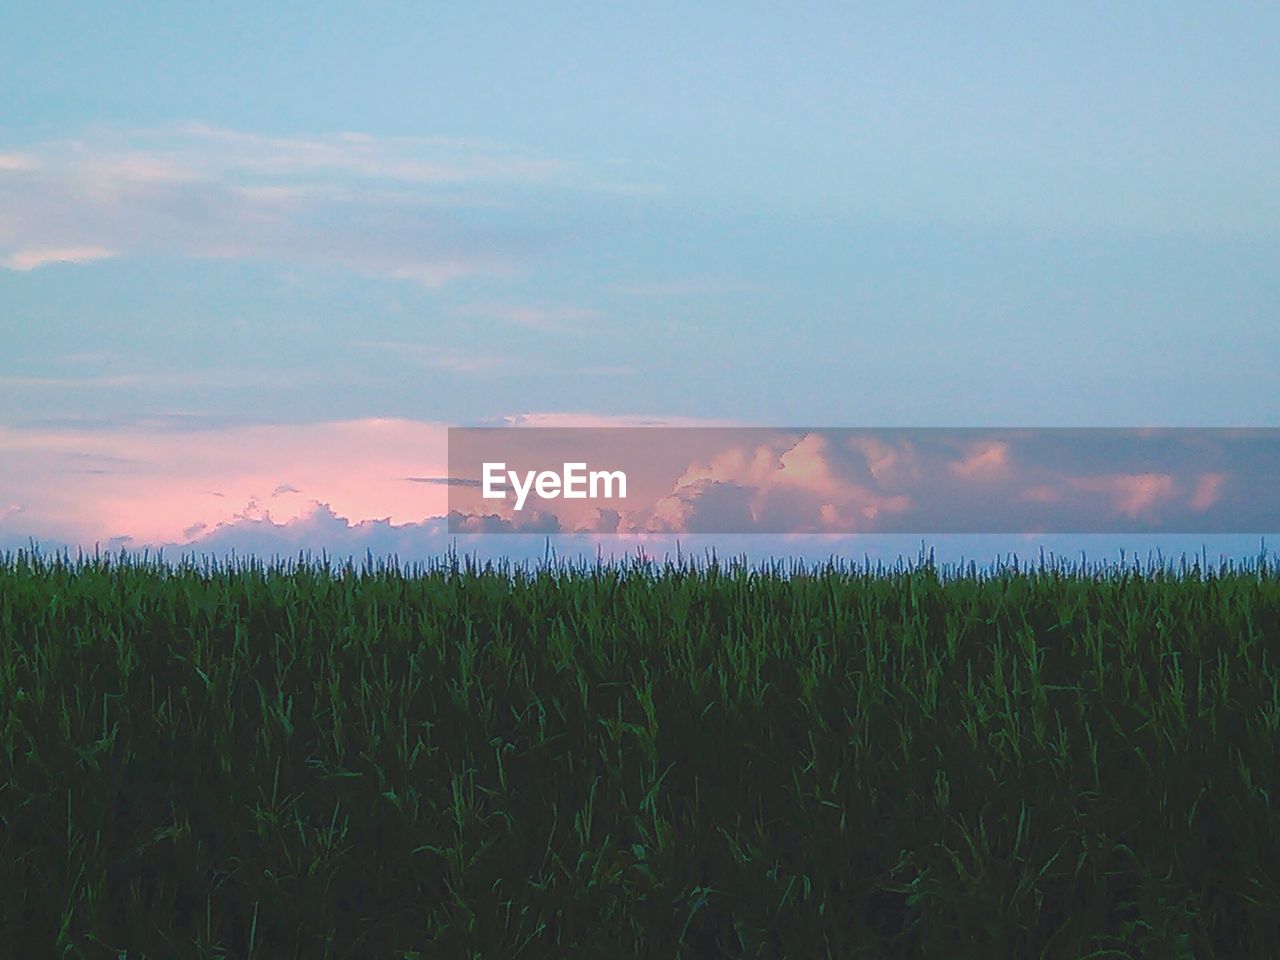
(430, 160)
(444, 481)
(14, 162)
(544, 319)
(182, 380)
(587, 419)
(689, 287)
(32, 257)
(412, 209)
(452, 359)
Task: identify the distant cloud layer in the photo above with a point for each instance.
(29, 258)
(405, 485)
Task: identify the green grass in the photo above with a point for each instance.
(650, 761)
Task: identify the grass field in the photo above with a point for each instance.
(647, 761)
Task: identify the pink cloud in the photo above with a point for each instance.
(1208, 491)
(1131, 494)
(1041, 493)
(891, 464)
(790, 484)
(988, 461)
(755, 467)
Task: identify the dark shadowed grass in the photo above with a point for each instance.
(639, 760)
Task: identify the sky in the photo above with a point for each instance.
(255, 259)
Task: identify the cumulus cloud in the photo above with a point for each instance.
(318, 529)
(535, 521)
(787, 486)
(892, 461)
(703, 505)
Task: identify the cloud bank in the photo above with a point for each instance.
(392, 487)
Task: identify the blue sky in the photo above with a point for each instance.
(224, 218)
